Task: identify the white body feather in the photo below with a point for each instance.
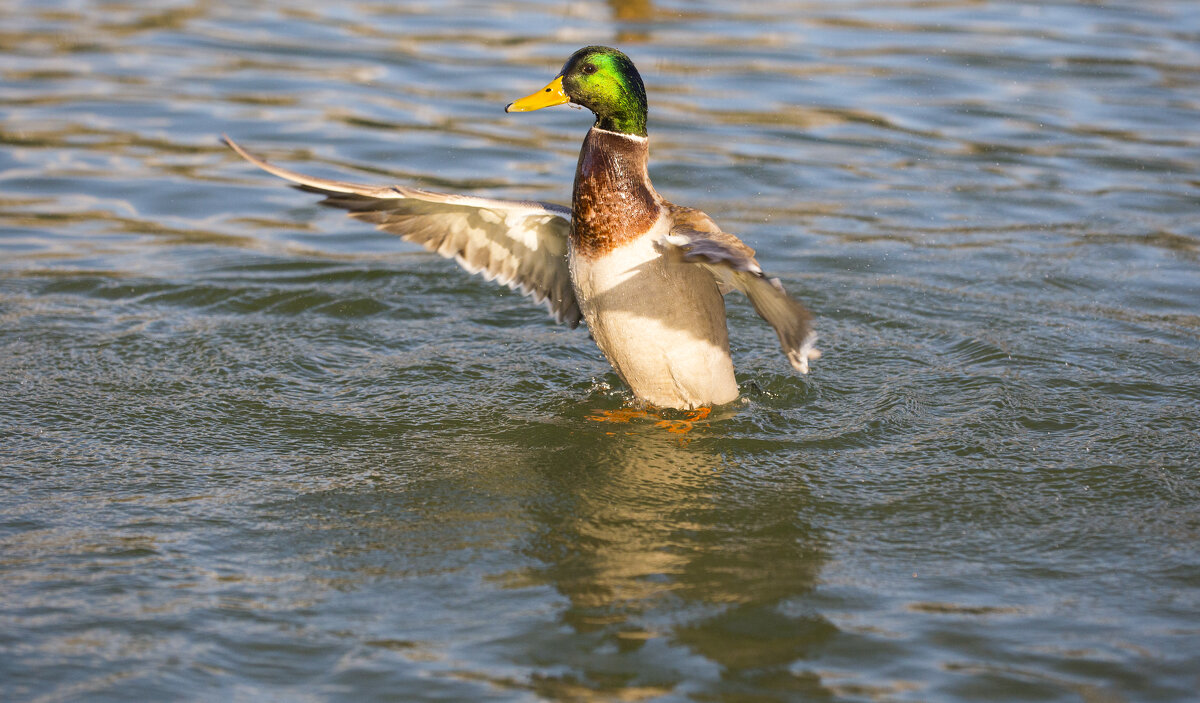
(660, 322)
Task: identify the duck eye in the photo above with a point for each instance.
(588, 69)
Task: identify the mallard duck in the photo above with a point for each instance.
(647, 276)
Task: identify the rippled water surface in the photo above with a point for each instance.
(251, 448)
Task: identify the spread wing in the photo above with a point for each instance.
(734, 266)
(522, 244)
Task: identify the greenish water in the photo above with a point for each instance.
(250, 448)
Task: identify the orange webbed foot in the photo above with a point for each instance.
(626, 415)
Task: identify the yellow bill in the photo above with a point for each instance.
(549, 96)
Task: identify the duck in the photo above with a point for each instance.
(647, 276)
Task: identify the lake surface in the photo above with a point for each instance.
(252, 449)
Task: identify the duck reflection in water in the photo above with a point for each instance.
(674, 565)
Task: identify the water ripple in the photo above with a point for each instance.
(255, 448)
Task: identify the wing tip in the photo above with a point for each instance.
(237, 148)
(807, 352)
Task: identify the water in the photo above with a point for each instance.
(250, 448)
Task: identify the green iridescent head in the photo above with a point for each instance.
(604, 81)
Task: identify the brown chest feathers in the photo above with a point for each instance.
(613, 200)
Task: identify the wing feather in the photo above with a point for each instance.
(519, 243)
(734, 265)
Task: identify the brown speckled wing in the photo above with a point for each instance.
(522, 244)
(734, 265)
